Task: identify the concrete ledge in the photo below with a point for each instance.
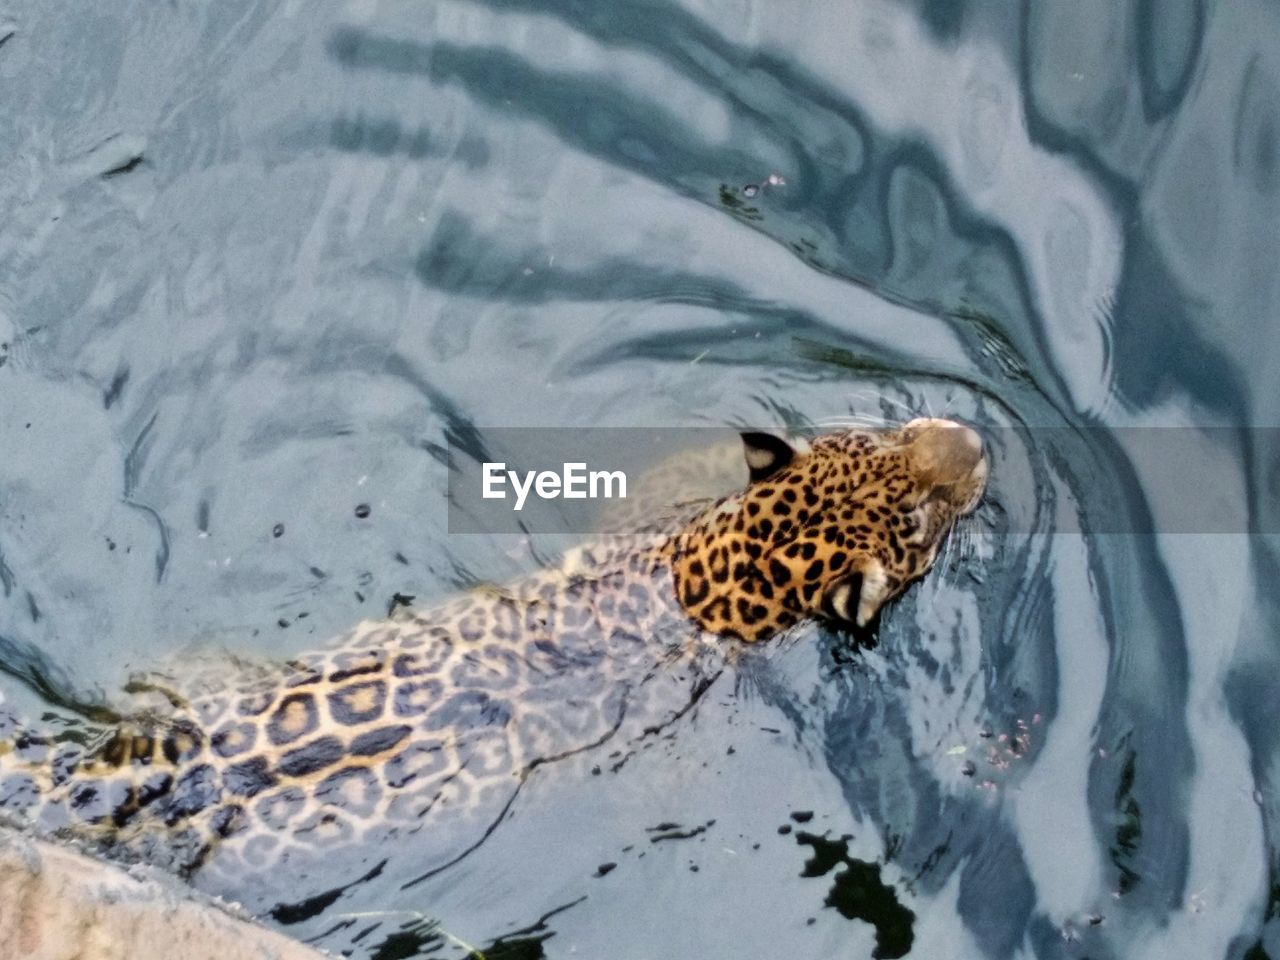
(57, 904)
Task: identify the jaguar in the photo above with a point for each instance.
(407, 719)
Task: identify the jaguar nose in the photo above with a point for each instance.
(968, 439)
(952, 451)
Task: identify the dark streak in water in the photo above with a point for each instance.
(399, 600)
(437, 452)
(127, 167)
(383, 136)
(673, 831)
(526, 944)
(162, 551)
(291, 913)
(411, 940)
(29, 666)
(134, 458)
(7, 37)
(7, 580)
(488, 832)
(117, 386)
(1128, 837)
(421, 934)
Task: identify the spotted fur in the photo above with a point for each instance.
(834, 532)
(405, 719)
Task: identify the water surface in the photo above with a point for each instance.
(261, 262)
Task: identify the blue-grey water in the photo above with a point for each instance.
(260, 262)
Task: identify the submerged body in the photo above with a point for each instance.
(409, 720)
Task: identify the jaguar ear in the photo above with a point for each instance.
(766, 454)
(855, 600)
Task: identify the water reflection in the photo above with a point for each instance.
(888, 219)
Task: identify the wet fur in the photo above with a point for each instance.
(406, 719)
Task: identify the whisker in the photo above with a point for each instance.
(851, 421)
(884, 399)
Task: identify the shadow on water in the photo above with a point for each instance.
(459, 260)
(385, 136)
(858, 893)
(423, 938)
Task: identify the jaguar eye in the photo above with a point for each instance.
(840, 602)
(856, 597)
(840, 610)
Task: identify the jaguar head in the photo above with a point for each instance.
(832, 529)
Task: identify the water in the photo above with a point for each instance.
(261, 261)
